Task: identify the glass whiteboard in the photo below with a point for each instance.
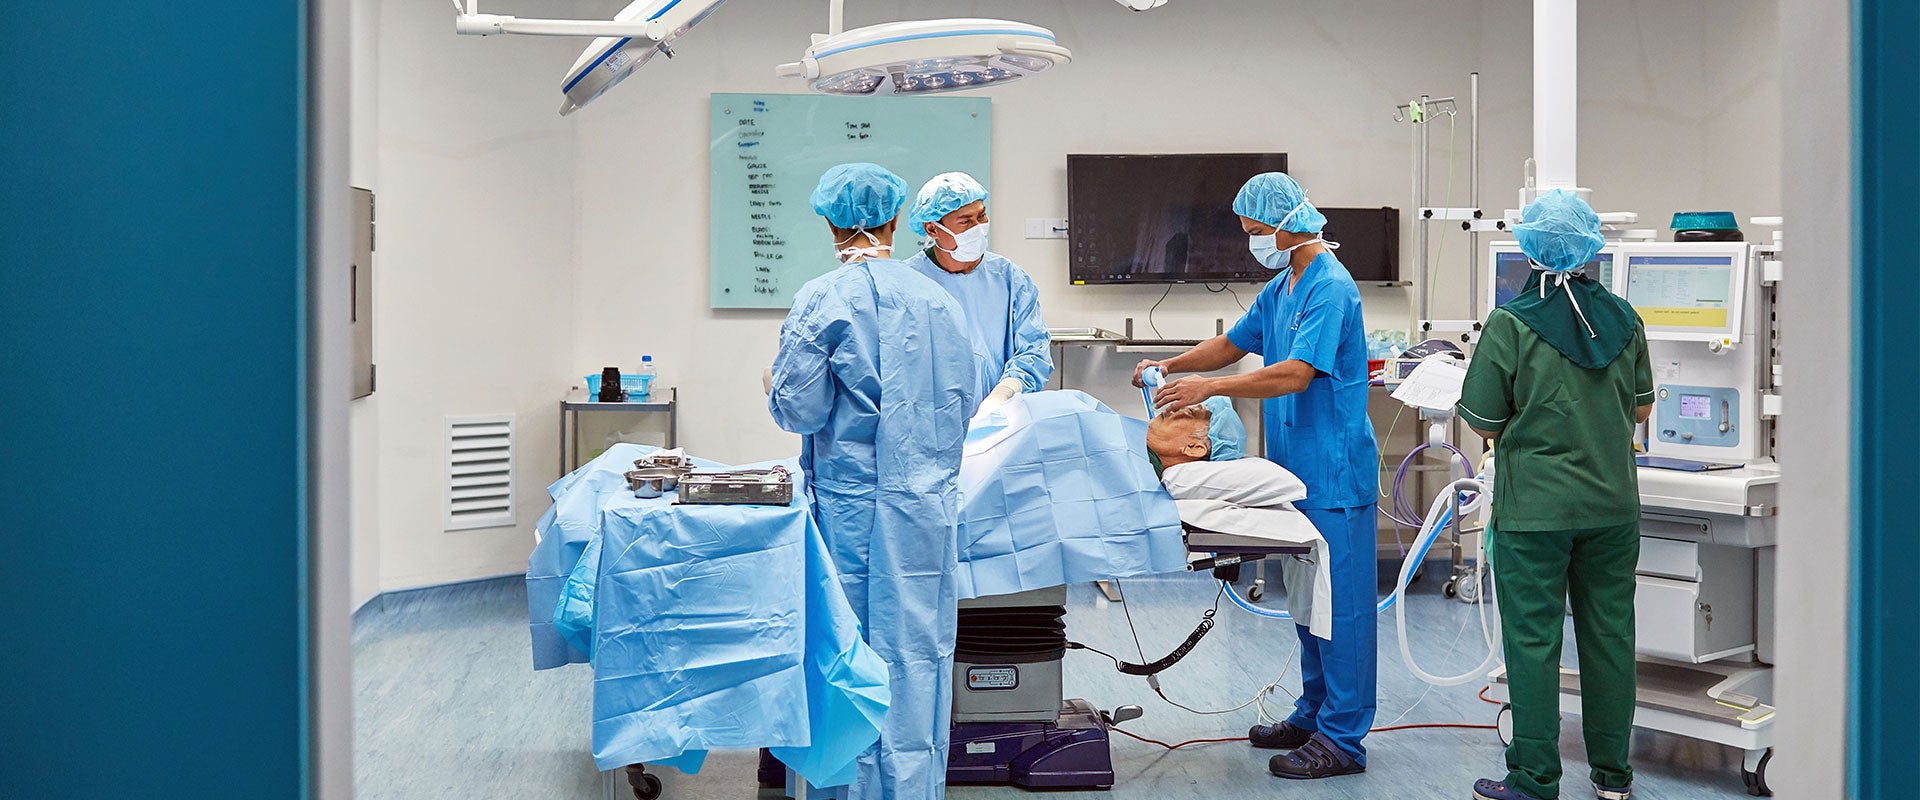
(769, 151)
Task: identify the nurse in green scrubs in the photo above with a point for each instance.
(1558, 381)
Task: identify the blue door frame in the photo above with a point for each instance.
(1886, 421)
(152, 370)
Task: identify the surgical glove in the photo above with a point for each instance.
(1002, 392)
(766, 381)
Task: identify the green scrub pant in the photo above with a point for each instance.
(1536, 574)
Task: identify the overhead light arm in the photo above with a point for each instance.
(471, 22)
(836, 17)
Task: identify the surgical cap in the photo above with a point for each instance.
(859, 195)
(1559, 231)
(1226, 434)
(945, 194)
(1270, 198)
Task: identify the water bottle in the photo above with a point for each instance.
(646, 373)
(1154, 379)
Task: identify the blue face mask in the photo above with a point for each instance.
(1266, 249)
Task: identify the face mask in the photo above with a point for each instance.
(1266, 249)
(851, 253)
(968, 247)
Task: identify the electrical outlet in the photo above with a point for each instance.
(1046, 229)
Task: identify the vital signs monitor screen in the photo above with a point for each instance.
(1686, 294)
(1511, 271)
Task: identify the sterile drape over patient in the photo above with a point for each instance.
(1056, 489)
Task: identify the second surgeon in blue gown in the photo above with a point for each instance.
(874, 372)
(1307, 327)
(1002, 304)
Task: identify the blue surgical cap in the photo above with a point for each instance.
(945, 194)
(859, 195)
(1559, 231)
(1274, 198)
(1226, 434)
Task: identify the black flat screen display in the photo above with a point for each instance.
(1161, 218)
(1369, 240)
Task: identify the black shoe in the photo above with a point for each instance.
(1283, 736)
(1318, 758)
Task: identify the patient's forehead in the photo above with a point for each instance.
(1189, 420)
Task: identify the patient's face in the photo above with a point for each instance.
(1178, 437)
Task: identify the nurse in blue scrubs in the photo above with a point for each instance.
(1307, 326)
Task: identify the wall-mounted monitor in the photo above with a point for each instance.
(1369, 241)
(1161, 218)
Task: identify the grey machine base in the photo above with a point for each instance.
(1723, 702)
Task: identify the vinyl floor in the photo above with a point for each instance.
(448, 707)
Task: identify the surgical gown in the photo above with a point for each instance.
(1002, 307)
(1323, 436)
(874, 371)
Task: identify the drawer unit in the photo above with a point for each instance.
(1694, 602)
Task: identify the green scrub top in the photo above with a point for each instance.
(1566, 431)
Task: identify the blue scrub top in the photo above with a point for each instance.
(1322, 434)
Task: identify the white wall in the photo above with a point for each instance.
(474, 186)
(519, 250)
(1673, 95)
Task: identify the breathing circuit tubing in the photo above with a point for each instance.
(1472, 494)
(1407, 516)
(1475, 494)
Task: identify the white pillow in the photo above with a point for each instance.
(1253, 482)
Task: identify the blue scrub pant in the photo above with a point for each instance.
(1338, 679)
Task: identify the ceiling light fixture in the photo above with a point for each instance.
(924, 57)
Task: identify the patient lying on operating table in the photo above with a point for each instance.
(1200, 451)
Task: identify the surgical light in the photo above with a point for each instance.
(640, 31)
(926, 57)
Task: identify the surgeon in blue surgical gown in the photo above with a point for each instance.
(876, 372)
(1010, 343)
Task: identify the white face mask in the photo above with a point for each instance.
(873, 249)
(969, 246)
(1266, 249)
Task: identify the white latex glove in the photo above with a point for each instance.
(1002, 392)
(766, 381)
